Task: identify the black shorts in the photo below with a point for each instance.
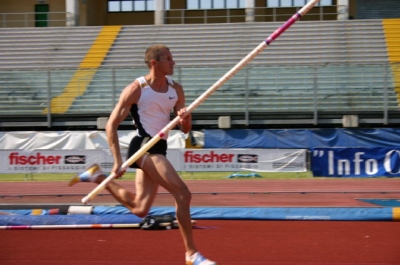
(138, 141)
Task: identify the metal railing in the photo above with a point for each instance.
(29, 19)
(182, 16)
(315, 89)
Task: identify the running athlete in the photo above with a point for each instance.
(150, 99)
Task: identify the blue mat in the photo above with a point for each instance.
(383, 202)
(120, 215)
(23, 220)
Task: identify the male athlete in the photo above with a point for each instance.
(150, 99)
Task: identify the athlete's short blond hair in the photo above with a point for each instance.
(154, 52)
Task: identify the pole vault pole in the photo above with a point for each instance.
(304, 10)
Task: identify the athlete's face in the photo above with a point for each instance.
(166, 63)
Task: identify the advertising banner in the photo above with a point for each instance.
(49, 161)
(190, 160)
(262, 160)
(356, 162)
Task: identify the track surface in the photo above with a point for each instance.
(233, 192)
(228, 242)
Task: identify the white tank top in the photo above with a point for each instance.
(153, 109)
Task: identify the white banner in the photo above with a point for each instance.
(72, 140)
(261, 160)
(49, 161)
(74, 161)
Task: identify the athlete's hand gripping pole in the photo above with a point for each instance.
(304, 10)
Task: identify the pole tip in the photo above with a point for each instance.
(85, 200)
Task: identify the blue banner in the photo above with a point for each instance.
(302, 138)
(356, 162)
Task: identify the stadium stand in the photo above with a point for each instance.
(48, 48)
(86, 70)
(392, 33)
(324, 67)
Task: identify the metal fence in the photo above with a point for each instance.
(180, 16)
(33, 19)
(333, 89)
(204, 16)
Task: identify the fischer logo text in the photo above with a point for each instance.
(37, 159)
(210, 157)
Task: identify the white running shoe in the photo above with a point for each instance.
(198, 259)
(90, 175)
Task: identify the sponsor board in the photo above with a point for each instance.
(356, 162)
(48, 161)
(73, 161)
(263, 160)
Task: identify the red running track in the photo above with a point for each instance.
(228, 242)
(228, 192)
